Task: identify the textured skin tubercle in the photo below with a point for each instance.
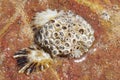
(57, 34)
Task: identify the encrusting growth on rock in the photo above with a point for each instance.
(57, 34)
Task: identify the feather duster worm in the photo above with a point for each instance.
(57, 34)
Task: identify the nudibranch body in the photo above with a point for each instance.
(57, 34)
